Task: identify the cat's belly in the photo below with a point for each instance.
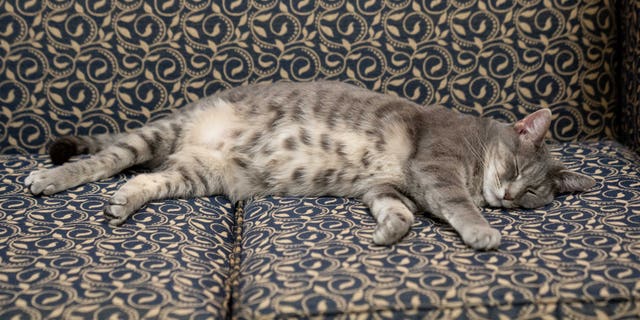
(309, 175)
(259, 157)
(290, 163)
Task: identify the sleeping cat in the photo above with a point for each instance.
(326, 138)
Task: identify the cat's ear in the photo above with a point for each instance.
(568, 181)
(534, 127)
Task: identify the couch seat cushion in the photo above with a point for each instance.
(59, 259)
(578, 257)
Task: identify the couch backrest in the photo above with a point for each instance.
(87, 67)
(628, 123)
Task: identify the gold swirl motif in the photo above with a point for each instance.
(69, 67)
(540, 25)
(580, 248)
(470, 27)
(524, 54)
(629, 120)
(100, 65)
(499, 61)
(29, 65)
(554, 254)
(70, 30)
(299, 64)
(153, 262)
(15, 94)
(29, 8)
(208, 31)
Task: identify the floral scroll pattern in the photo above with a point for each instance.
(630, 72)
(60, 260)
(577, 258)
(86, 67)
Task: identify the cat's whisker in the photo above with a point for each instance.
(479, 155)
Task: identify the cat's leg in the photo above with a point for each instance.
(442, 191)
(394, 213)
(185, 175)
(144, 145)
(103, 164)
(468, 221)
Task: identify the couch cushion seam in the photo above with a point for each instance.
(231, 285)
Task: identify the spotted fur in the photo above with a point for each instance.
(326, 138)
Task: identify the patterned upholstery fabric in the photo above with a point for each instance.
(629, 30)
(59, 259)
(70, 67)
(87, 67)
(578, 258)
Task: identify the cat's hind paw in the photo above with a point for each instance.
(481, 237)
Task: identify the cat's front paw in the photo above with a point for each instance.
(391, 229)
(45, 181)
(118, 210)
(481, 237)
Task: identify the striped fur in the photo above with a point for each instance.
(325, 138)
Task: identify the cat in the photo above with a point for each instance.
(326, 138)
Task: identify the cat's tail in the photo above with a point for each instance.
(66, 147)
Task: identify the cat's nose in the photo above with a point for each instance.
(507, 196)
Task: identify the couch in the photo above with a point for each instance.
(88, 67)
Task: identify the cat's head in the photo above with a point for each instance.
(519, 170)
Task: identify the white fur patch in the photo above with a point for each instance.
(490, 184)
(213, 126)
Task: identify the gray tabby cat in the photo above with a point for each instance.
(326, 138)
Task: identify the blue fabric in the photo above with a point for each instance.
(80, 67)
(628, 124)
(578, 257)
(59, 259)
(88, 67)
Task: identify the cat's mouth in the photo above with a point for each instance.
(495, 197)
(491, 197)
(497, 203)
(494, 201)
